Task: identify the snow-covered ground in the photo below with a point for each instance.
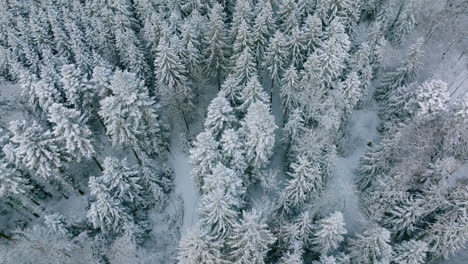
(184, 186)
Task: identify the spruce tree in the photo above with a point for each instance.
(70, 126)
(275, 57)
(220, 115)
(196, 247)
(258, 129)
(204, 156)
(411, 252)
(329, 233)
(306, 182)
(216, 52)
(250, 240)
(244, 68)
(372, 246)
(251, 93)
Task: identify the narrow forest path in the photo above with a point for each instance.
(184, 187)
(341, 193)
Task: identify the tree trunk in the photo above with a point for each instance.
(98, 164)
(271, 90)
(219, 80)
(185, 120)
(136, 156)
(7, 237)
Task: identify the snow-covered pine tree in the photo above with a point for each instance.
(411, 252)
(304, 226)
(216, 213)
(294, 254)
(250, 240)
(371, 247)
(228, 181)
(216, 53)
(289, 89)
(352, 92)
(404, 23)
(75, 87)
(242, 12)
(329, 233)
(275, 58)
(432, 98)
(101, 82)
(313, 33)
(232, 90)
(263, 28)
(296, 45)
(243, 40)
(129, 115)
(245, 67)
(405, 74)
(196, 247)
(105, 212)
(288, 16)
(258, 131)
(251, 93)
(306, 182)
(121, 180)
(70, 126)
(295, 127)
(233, 151)
(171, 76)
(35, 148)
(204, 156)
(220, 115)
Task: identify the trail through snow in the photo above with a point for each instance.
(184, 186)
(341, 193)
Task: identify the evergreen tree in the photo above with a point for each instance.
(233, 151)
(432, 98)
(216, 213)
(275, 56)
(251, 93)
(220, 115)
(294, 127)
(329, 233)
(294, 255)
(313, 33)
(243, 39)
(216, 51)
(352, 92)
(405, 22)
(244, 68)
(263, 28)
(70, 126)
(296, 44)
(228, 181)
(289, 89)
(171, 75)
(232, 90)
(250, 240)
(11, 182)
(204, 156)
(258, 129)
(305, 183)
(371, 247)
(129, 115)
(288, 16)
(411, 252)
(198, 248)
(106, 213)
(120, 180)
(75, 87)
(35, 148)
(406, 73)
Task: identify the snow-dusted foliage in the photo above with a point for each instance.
(250, 240)
(233, 132)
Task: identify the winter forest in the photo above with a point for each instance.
(233, 131)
